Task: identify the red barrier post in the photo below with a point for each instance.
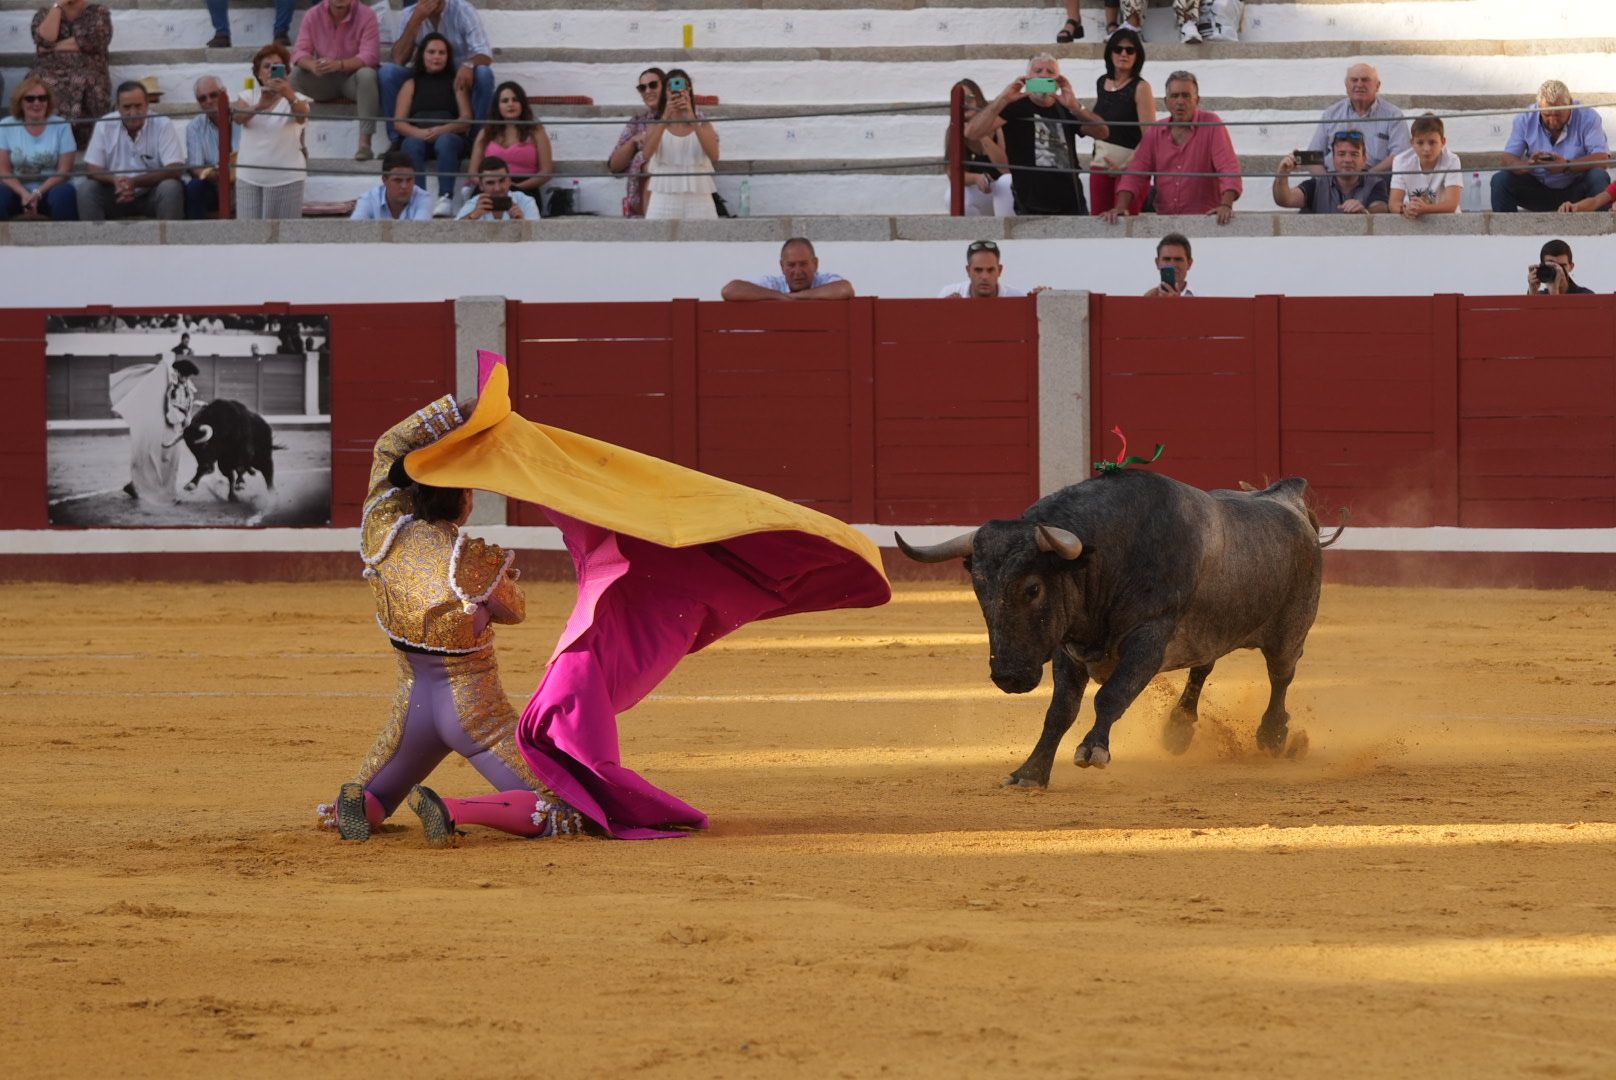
(222, 122)
(956, 151)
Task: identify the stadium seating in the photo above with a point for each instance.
(839, 72)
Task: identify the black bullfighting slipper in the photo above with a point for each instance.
(352, 824)
(435, 820)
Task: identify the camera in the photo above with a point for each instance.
(678, 83)
(1547, 273)
(500, 204)
(1309, 157)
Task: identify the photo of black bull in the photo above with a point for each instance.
(228, 435)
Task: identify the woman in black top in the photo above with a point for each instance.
(987, 187)
(433, 116)
(1120, 95)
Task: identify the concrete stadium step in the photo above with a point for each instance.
(737, 23)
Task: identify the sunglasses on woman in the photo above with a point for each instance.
(1125, 50)
(34, 99)
(647, 87)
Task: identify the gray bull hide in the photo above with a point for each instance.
(1130, 574)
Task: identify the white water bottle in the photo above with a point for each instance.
(745, 203)
(1473, 196)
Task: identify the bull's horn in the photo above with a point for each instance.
(1063, 543)
(955, 548)
(206, 431)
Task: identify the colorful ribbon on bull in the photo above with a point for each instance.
(1123, 460)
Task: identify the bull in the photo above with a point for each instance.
(1131, 574)
(238, 441)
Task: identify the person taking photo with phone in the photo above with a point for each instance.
(1173, 264)
(1041, 119)
(1555, 154)
(497, 199)
(271, 166)
(679, 154)
(1347, 189)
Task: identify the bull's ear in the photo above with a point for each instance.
(1063, 543)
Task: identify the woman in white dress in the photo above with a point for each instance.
(679, 156)
(270, 165)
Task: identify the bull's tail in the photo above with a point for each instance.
(1339, 529)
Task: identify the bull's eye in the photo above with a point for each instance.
(1033, 590)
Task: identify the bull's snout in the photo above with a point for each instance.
(1016, 680)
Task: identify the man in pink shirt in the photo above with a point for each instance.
(1171, 152)
(338, 50)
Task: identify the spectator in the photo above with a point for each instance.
(1593, 202)
(134, 164)
(799, 278)
(1192, 141)
(628, 155)
(511, 134)
(397, 197)
(1555, 155)
(1347, 189)
(496, 199)
(70, 47)
(1074, 24)
(1040, 133)
(1427, 179)
(1558, 282)
(338, 50)
(433, 115)
(36, 156)
(270, 167)
(1173, 263)
(983, 270)
(202, 150)
(219, 12)
(679, 156)
(457, 22)
(1124, 101)
(1385, 129)
(1132, 17)
(987, 184)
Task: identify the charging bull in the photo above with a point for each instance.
(1130, 574)
(231, 436)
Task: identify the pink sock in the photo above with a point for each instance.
(507, 811)
(375, 813)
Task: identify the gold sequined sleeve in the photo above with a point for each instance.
(483, 573)
(385, 506)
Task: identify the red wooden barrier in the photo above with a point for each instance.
(1411, 411)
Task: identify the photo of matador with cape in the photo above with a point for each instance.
(668, 561)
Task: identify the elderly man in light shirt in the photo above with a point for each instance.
(133, 164)
(338, 50)
(1385, 129)
(799, 278)
(1555, 154)
(202, 150)
(458, 21)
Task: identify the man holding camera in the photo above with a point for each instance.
(496, 200)
(1042, 119)
(1347, 189)
(1173, 263)
(1552, 274)
(1555, 154)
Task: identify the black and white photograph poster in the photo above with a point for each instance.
(207, 420)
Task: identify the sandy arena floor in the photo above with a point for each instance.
(1431, 892)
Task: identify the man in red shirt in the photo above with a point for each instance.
(1191, 141)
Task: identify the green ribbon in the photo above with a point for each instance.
(1123, 460)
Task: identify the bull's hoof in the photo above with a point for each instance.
(1017, 780)
(1272, 740)
(1296, 747)
(1177, 735)
(191, 486)
(1092, 756)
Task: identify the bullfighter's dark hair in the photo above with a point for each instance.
(183, 366)
(431, 503)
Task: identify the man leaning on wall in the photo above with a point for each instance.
(799, 278)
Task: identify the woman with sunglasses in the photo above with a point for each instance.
(1124, 101)
(36, 157)
(629, 153)
(987, 173)
(679, 156)
(70, 47)
(511, 134)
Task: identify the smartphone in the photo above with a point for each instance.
(1547, 273)
(1041, 86)
(1309, 157)
(1169, 276)
(277, 71)
(678, 83)
(499, 203)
